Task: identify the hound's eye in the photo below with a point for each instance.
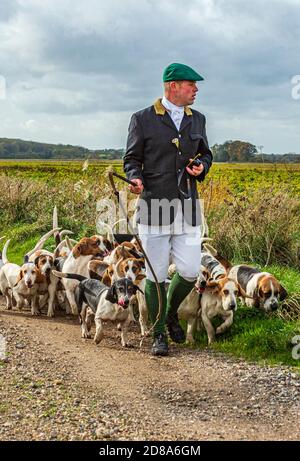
(268, 293)
(134, 269)
(226, 292)
(97, 242)
(121, 289)
(25, 272)
(126, 268)
(236, 292)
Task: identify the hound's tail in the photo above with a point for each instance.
(78, 277)
(225, 263)
(4, 251)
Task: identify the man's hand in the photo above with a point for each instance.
(138, 188)
(195, 170)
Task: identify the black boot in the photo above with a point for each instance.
(160, 345)
(175, 331)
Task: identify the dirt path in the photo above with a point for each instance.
(58, 386)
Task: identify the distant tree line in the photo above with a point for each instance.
(229, 151)
(19, 149)
(242, 151)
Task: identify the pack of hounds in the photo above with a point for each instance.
(102, 278)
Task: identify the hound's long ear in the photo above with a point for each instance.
(77, 250)
(212, 286)
(256, 298)
(112, 294)
(36, 260)
(97, 268)
(19, 277)
(242, 292)
(108, 244)
(282, 293)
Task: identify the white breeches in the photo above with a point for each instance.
(178, 243)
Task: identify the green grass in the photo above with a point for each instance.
(257, 337)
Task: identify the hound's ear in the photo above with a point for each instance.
(256, 298)
(242, 292)
(76, 250)
(108, 244)
(141, 262)
(282, 293)
(19, 277)
(112, 294)
(97, 267)
(36, 260)
(212, 286)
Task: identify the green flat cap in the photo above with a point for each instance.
(178, 71)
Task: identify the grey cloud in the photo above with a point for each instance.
(112, 58)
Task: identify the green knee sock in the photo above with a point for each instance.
(151, 296)
(178, 290)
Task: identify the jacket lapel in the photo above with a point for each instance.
(166, 119)
(187, 119)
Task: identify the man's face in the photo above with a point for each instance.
(185, 92)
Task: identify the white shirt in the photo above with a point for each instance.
(176, 112)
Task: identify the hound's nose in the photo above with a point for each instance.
(29, 284)
(48, 270)
(232, 306)
(274, 306)
(203, 284)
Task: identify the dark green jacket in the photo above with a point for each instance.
(157, 153)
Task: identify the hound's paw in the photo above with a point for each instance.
(128, 345)
(86, 335)
(219, 330)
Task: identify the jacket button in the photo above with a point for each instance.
(178, 171)
(179, 136)
(179, 153)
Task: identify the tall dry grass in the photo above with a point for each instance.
(261, 227)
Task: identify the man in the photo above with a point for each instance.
(162, 140)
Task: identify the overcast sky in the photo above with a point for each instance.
(75, 71)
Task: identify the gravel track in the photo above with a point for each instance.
(57, 386)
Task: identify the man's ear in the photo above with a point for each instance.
(77, 250)
(112, 294)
